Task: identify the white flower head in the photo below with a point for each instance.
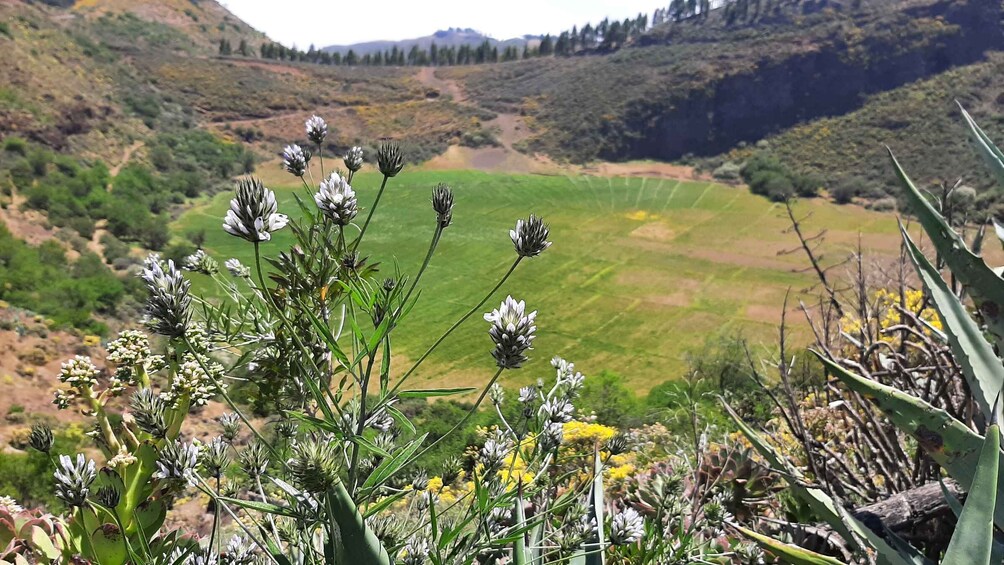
(73, 479)
(513, 332)
(317, 130)
(237, 269)
(253, 213)
(294, 160)
(337, 200)
(626, 527)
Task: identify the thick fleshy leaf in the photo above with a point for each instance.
(990, 153)
(822, 505)
(973, 539)
(948, 441)
(980, 366)
(788, 553)
(984, 286)
(358, 543)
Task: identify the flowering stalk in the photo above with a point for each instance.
(442, 338)
(369, 215)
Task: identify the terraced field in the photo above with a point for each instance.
(641, 271)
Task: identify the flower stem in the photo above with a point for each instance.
(458, 323)
(460, 424)
(369, 216)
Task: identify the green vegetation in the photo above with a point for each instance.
(135, 204)
(42, 280)
(642, 270)
(920, 119)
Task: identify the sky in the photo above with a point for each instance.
(342, 22)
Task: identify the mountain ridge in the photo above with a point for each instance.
(449, 37)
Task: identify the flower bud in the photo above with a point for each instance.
(529, 237)
(442, 204)
(317, 130)
(41, 437)
(389, 159)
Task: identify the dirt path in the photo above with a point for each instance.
(127, 154)
(510, 130)
(427, 76)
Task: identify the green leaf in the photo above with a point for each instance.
(358, 543)
(998, 230)
(786, 552)
(948, 441)
(520, 554)
(43, 543)
(982, 284)
(433, 392)
(595, 554)
(388, 467)
(980, 366)
(263, 507)
(987, 149)
(974, 533)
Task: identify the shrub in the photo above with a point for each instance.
(15, 145)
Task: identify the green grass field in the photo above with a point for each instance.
(641, 270)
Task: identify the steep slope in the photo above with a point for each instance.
(702, 87)
(919, 121)
(203, 22)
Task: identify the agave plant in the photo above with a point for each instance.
(967, 451)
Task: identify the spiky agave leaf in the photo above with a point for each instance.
(980, 366)
(972, 541)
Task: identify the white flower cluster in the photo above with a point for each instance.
(82, 376)
(196, 382)
(237, 269)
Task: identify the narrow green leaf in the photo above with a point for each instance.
(390, 466)
(982, 284)
(520, 556)
(433, 392)
(595, 554)
(974, 533)
(263, 507)
(980, 366)
(788, 553)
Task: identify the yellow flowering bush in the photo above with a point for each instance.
(887, 315)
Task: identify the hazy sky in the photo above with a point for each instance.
(338, 22)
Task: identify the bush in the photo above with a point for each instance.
(845, 190)
(113, 247)
(15, 145)
(728, 171)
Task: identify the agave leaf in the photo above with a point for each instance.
(984, 286)
(595, 554)
(520, 555)
(997, 550)
(948, 441)
(980, 366)
(358, 543)
(786, 552)
(849, 527)
(987, 149)
(974, 533)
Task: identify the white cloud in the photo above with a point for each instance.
(339, 22)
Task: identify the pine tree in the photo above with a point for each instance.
(546, 48)
(351, 59)
(434, 54)
(243, 49)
